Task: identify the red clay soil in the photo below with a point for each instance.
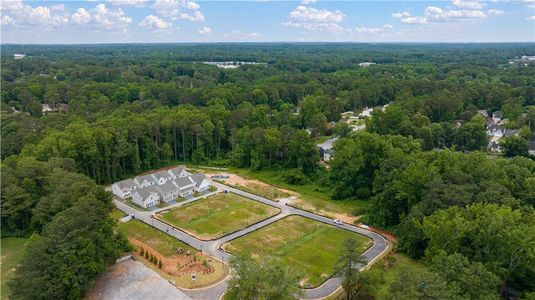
(174, 265)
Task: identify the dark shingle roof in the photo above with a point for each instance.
(198, 178)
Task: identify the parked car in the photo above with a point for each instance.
(133, 216)
(338, 222)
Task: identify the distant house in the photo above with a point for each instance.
(495, 130)
(326, 150)
(185, 186)
(168, 191)
(201, 182)
(123, 189)
(366, 64)
(161, 177)
(510, 132)
(46, 108)
(367, 112)
(19, 56)
(494, 147)
(146, 197)
(497, 116)
(144, 181)
(177, 172)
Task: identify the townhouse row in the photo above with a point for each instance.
(161, 187)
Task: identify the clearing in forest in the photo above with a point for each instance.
(312, 248)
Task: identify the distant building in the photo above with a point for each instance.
(123, 189)
(19, 56)
(483, 113)
(497, 116)
(146, 197)
(326, 150)
(366, 64)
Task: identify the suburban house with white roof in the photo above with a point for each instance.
(201, 182)
(146, 197)
(177, 172)
(168, 191)
(144, 180)
(185, 186)
(161, 177)
(123, 188)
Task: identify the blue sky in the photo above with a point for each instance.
(146, 21)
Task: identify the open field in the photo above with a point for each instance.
(393, 271)
(217, 215)
(311, 248)
(310, 197)
(175, 266)
(12, 252)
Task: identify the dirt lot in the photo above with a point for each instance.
(132, 280)
(255, 185)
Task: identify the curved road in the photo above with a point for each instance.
(213, 247)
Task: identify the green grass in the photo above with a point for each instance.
(218, 215)
(116, 214)
(12, 252)
(267, 191)
(311, 248)
(312, 197)
(162, 242)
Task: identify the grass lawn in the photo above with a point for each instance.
(12, 252)
(162, 242)
(116, 214)
(310, 247)
(267, 191)
(217, 215)
(312, 197)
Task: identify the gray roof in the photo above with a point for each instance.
(177, 170)
(497, 114)
(198, 178)
(328, 144)
(141, 178)
(160, 174)
(127, 183)
(145, 192)
(509, 132)
(167, 188)
(182, 182)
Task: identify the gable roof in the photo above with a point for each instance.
(126, 184)
(146, 192)
(167, 188)
(142, 178)
(160, 174)
(182, 182)
(198, 179)
(177, 170)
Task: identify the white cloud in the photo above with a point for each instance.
(246, 35)
(373, 30)
(25, 15)
(494, 12)
(152, 22)
(399, 15)
(414, 20)
(309, 14)
(175, 9)
(205, 30)
(81, 16)
(468, 4)
(307, 2)
(313, 19)
(101, 17)
(531, 18)
(6, 20)
(135, 3)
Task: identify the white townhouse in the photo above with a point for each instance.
(146, 197)
(178, 172)
(144, 181)
(123, 189)
(168, 191)
(161, 177)
(185, 186)
(201, 182)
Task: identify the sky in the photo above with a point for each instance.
(178, 21)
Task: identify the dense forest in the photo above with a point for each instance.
(422, 163)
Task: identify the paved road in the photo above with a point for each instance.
(213, 247)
